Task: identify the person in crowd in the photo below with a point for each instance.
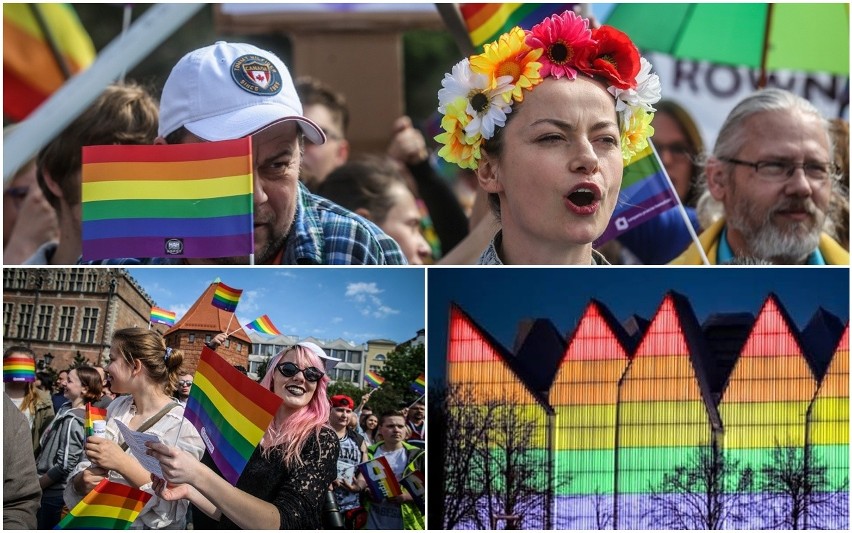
(286, 479)
(373, 188)
(107, 395)
(24, 202)
(369, 427)
(34, 403)
(416, 420)
(773, 170)
(353, 451)
(326, 108)
(21, 491)
(62, 443)
(184, 386)
(840, 199)
(45, 384)
(145, 372)
(549, 140)
(122, 114)
(58, 397)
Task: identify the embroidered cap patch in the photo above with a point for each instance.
(256, 74)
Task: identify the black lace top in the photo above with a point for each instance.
(298, 492)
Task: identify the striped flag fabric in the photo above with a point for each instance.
(645, 193)
(31, 72)
(263, 325)
(486, 22)
(93, 413)
(415, 484)
(230, 411)
(226, 298)
(419, 384)
(176, 201)
(17, 368)
(373, 379)
(380, 479)
(109, 505)
(161, 316)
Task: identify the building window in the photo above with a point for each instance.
(239, 347)
(7, 317)
(60, 279)
(356, 376)
(380, 357)
(90, 324)
(208, 338)
(45, 317)
(353, 357)
(375, 368)
(8, 276)
(344, 375)
(75, 283)
(66, 323)
(19, 279)
(191, 338)
(24, 316)
(91, 281)
(254, 366)
(227, 343)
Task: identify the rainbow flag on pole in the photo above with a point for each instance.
(230, 411)
(380, 479)
(415, 484)
(109, 505)
(18, 369)
(374, 380)
(419, 384)
(263, 325)
(161, 316)
(226, 298)
(175, 201)
(486, 22)
(93, 413)
(645, 193)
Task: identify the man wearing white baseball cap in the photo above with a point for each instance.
(233, 90)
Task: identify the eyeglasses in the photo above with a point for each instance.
(184, 383)
(311, 373)
(781, 171)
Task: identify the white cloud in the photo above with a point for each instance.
(336, 320)
(285, 273)
(367, 293)
(359, 291)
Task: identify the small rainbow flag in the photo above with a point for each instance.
(374, 380)
(486, 22)
(419, 384)
(17, 368)
(93, 413)
(226, 298)
(109, 505)
(263, 325)
(230, 411)
(380, 479)
(415, 485)
(161, 316)
(177, 201)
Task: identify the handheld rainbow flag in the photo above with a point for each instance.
(380, 479)
(263, 325)
(486, 22)
(226, 298)
(161, 316)
(93, 413)
(230, 411)
(415, 485)
(17, 368)
(176, 201)
(374, 380)
(109, 505)
(645, 193)
(419, 384)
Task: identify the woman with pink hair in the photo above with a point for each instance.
(284, 482)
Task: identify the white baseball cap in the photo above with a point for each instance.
(327, 360)
(231, 90)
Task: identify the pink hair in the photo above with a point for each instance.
(292, 435)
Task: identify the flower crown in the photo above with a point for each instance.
(479, 92)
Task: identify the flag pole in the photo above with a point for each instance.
(125, 25)
(417, 400)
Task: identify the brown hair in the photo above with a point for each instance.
(162, 364)
(364, 184)
(314, 92)
(389, 414)
(90, 379)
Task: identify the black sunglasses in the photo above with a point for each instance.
(288, 370)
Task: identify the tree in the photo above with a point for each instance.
(402, 367)
(79, 360)
(797, 487)
(347, 388)
(262, 368)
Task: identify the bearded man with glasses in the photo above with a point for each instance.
(772, 170)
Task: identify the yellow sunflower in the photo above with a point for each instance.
(510, 56)
(634, 139)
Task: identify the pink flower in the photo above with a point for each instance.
(561, 37)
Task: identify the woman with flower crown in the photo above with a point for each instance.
(547, 118)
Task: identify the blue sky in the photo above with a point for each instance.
(356, 304)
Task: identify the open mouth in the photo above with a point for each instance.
(583, 199)
(295, 390)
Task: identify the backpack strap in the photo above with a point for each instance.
(151, 421)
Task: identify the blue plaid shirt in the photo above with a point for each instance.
(323, 233)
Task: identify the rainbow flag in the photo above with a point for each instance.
(17, 368)
(415, 485)
(31, 72)
(645, 193)
(93, 413)
(226, 298)
(419, 385)
(380, 479)
(374, 380)
(486, 22)
(177, 201)
(109, 505)
(263, 325)
(161, 316)
(230, 411)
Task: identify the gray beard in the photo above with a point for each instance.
(790, 244)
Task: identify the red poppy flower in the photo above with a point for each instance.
(615, 58)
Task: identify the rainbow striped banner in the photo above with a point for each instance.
(419, 385)
(230, 411)
(17, 368)
(177, 201)
(263, 325)
(93, 413)
(161, 316)
(486, 22)
(374, 380)
(645, 193)
(109, 505)
(415, 484)
(30, 70)
(380, 479)
(226, 298)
